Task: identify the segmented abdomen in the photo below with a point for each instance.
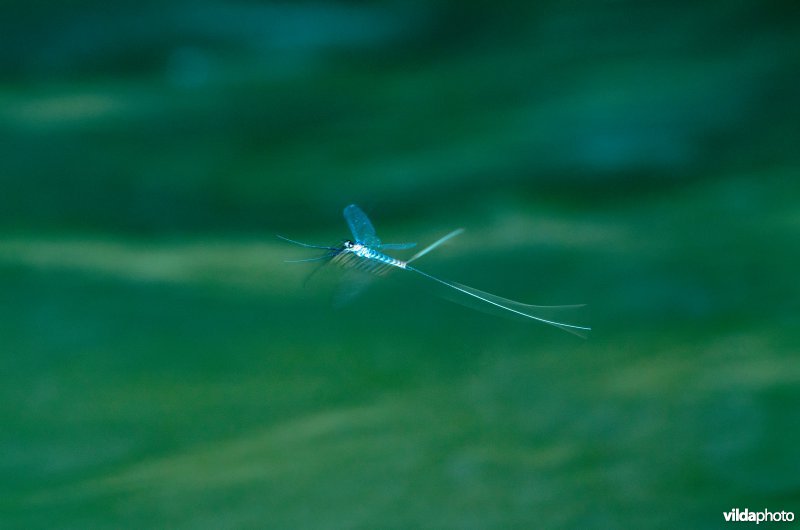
(368, 261)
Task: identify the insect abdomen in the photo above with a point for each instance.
(368, 260)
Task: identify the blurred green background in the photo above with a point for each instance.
(162, 367)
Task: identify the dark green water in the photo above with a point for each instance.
(162, 367)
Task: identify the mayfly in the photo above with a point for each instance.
(365, 252)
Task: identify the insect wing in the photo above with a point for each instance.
(362, 229)
(397, 246)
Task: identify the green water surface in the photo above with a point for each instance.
(162, 367)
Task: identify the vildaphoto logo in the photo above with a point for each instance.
(746, 516)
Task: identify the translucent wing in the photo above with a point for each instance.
(362, 229)
(397, 246)
(353, 285)
(435, 244)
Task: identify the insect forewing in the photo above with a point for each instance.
(362, 229)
